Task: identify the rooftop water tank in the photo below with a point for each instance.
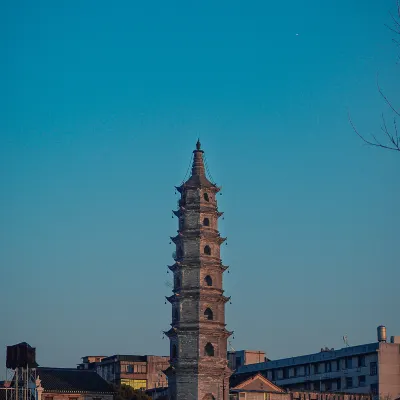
(381, 333)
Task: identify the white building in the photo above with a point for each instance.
(369, 368)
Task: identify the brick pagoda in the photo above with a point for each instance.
(198, 337)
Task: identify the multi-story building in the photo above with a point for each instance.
(139, 372)
(198, 337)
(369, 368)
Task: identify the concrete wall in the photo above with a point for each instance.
(389, 370)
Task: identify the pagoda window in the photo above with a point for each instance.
(206, 198)
(206, 222)
(209, 314)
(209, 350)
(207, 250)
(208, 280)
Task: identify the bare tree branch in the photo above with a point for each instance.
(376, 142)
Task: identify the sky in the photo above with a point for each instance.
(101, 106)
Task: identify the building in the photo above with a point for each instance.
(198, 337)
(71, 384)
(238, 358)
(257, 387)
(89, 362)
(369, 368)
(139, 372)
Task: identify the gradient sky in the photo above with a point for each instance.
(101, 105)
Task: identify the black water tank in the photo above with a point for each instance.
(21, 355)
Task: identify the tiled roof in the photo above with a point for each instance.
(72, 380)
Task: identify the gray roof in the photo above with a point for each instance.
(72, 380)
(310, 358)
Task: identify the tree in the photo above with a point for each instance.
(125, 392)
(391, 135)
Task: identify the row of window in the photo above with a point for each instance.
(336, 384)
(208, 314)
(207, 281)
(325, 367)
(208, 350)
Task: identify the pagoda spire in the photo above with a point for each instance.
(198, 163)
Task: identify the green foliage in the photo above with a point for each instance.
(125, 392)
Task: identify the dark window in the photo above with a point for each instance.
(361, 380)
(129, 369)
(328, 386)
(206, 222)
(206, 198)
(338, 365)
(209, 314)
(373, 368)
(328, 367)
(207, 250)
(374, 388)
(361, 361)
(273, 376)
(238, 362)
(208, 280)
(339, 384)
(349, 383)
(209, 350)
(307, 370)
(349, 362)
(174, 351)
(285, 373)
(315, 368)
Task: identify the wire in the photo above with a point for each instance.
(190, 163)
(208, 169)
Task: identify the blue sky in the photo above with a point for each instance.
(101, 106)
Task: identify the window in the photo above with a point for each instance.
(208, 280)
(206, 222)
(338, 365)
(174, 351)
(328, 367)
(209, 314)
(339, 384)
(139, 369)
(207, 250)
(349, 362)
(361, 380)
(328, 386)
(209, 350)
(206, 198)
(129, 369)
(349, 382)
(316, 368)
(285, 373)
(361, 361)
(307, 369)
(374, 388)
(238, 362)
(373, 368)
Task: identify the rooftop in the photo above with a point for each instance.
(72, 380)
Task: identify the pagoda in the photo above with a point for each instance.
(198, 337)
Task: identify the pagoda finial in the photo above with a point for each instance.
(198, 164)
